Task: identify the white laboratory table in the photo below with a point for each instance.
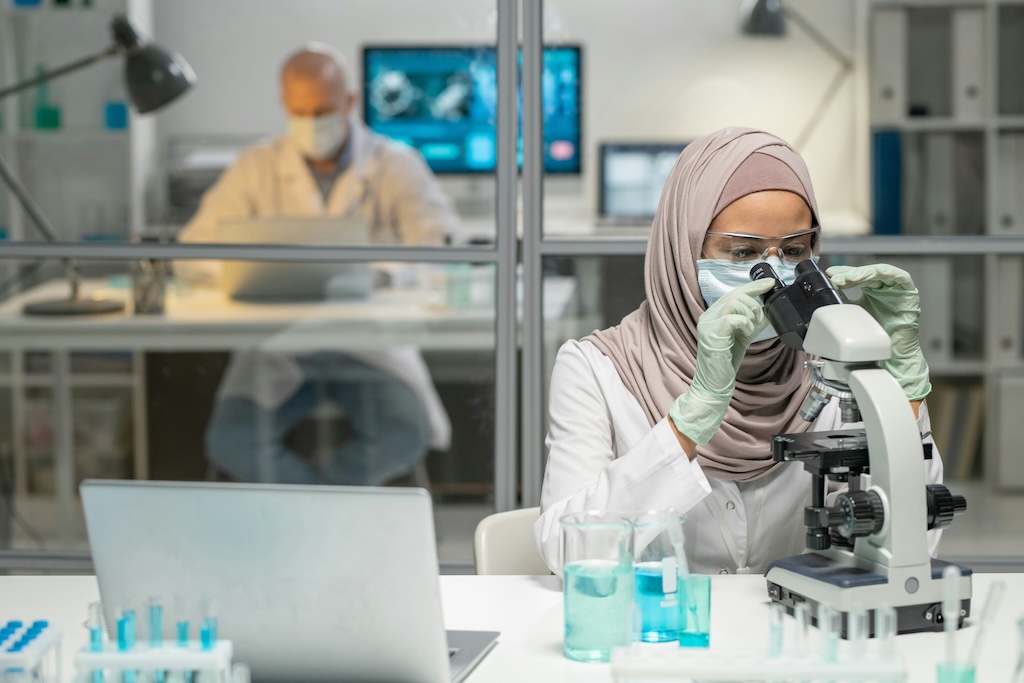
(528, 613)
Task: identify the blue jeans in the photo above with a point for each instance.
(389, 431)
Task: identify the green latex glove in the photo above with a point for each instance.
(892, 299)
(724, 332)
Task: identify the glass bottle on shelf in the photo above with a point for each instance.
(47, 114)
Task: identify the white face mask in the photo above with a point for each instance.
(318, 137)
(718, 277)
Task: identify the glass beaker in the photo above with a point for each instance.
(659, 563)
(597, 569)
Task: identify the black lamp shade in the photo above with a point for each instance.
(765, 18)
(155, 76)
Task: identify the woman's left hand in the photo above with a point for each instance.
(892, 299)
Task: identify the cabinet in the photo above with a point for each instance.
(946, 83)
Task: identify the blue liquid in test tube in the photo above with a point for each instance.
(182, 628)
(208, 625)
(156, 630)
(126, 637)
(95, 625)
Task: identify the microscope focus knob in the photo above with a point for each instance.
(863, 513)
(943, 506)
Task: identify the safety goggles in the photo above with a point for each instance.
(740, 248)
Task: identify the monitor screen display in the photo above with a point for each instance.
(632, 175)
(442, 101)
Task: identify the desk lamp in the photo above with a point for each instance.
(768, 18)
(153, 77)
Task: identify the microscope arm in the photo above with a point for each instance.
(852, 342)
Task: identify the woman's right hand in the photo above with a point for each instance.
(724, 332)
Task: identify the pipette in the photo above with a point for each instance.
(952, 670)
(988, 612)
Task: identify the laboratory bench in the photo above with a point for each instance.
(527, 610)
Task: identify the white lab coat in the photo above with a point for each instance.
(388, 183)
(603, 454)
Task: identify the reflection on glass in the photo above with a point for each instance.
(391, 386)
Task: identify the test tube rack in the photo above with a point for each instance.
(658, 663)
(27, 651)
(213, 663)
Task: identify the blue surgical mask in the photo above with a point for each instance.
(718, 277)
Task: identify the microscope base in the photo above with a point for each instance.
(839, 583)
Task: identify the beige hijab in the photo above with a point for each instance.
(654, 348)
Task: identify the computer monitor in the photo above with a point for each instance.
(631, 177)
(442, 101)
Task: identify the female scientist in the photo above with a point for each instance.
(675, 406)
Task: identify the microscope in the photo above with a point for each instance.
(869, 549)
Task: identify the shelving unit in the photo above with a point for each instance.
(947, 119)
(58, 166)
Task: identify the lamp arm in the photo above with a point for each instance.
(26, 201)
(818, 37)
(60, 70)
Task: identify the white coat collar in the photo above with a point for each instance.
(349, 189)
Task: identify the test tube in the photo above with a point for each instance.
(208, 625)
(802, 614)
(181, 620)
(156, 630)
(830, 625)
(95, 626)
(776, 620)
(857, 631)
(126, 635)
(885, 632)
(125, 627)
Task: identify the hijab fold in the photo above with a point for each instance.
(654, 348)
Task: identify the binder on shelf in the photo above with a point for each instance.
(939, 186)
(969, 91)
(887, 181)
(1010, 179)
(888, 66)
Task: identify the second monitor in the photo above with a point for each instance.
(630, 179)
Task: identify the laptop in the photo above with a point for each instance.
(310, 583)
(308, 281)
(631, 176)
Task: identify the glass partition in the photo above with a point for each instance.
(219, 359)
(690, 71)
(353, 373)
